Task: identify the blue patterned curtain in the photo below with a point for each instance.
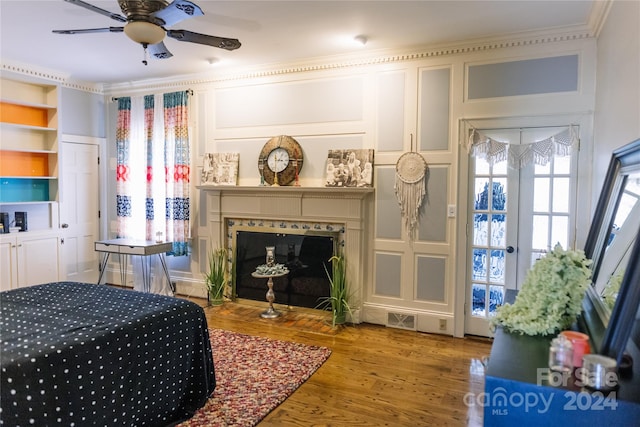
(177, 170)
(123, 187)
(153, 144)
(151, 194)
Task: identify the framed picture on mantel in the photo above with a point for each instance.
(349, 168)
(220, 169)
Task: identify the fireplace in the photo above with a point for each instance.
(306, 255)
(342, 214)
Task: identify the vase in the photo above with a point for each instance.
(339, 318)
(215, 300)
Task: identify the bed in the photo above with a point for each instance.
(85, 354)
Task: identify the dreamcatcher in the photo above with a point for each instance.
(412, 174)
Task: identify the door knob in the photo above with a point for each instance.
(510, 249)
(65, 225)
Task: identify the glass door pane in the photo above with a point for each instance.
(489, 237)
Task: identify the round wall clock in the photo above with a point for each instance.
(280, 160)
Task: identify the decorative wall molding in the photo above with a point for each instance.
(322, 64)
(346, 61)
(28, 71)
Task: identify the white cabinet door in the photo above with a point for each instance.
(38, 260)
(8, 267)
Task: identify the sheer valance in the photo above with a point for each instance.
(519, 155)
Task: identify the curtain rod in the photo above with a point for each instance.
(189, 91)
(521, 128)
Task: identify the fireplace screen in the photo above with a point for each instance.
(305, 255)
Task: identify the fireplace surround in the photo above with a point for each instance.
(343, 213)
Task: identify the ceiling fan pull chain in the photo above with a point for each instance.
(146, 54)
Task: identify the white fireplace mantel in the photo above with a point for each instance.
(349, 206)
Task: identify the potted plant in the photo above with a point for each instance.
(216, 276)
(551, 295)
(338, 299)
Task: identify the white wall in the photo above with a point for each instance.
(617, 112)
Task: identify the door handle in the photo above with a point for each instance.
(510, 249)
(65, 225)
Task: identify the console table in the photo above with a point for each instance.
(144, 248)
(520, 390)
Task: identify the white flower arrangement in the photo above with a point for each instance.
(551, 295)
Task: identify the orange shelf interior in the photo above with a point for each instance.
(15, 163)
(23, 115)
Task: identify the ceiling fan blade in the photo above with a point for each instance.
(96, 9)
(189, 36)
(159, 51)
(177, 11)
(91, 30)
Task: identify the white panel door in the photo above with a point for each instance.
(79, 211)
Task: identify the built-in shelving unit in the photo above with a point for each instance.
(29, 150)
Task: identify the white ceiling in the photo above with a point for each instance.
(270, 32)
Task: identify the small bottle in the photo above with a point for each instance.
(561, 354)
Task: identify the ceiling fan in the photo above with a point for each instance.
(146, 23)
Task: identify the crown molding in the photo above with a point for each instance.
(30, 72)
(387, 56)
(598, 16)
(350, 61)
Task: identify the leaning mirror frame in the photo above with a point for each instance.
(608, 327)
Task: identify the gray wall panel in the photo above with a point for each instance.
(322, 101)
(388, 275)
(391, 111)
(526, 77)
(433, 215)
(431, 274)
(434, 109)
(83, 113)
(388, 218)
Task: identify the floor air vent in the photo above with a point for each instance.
(401, 321)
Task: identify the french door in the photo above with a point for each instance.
(515, 217)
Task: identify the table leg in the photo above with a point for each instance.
(146, 274)
(103, 266)
(123, 269)
(166, 273)
(271, 297)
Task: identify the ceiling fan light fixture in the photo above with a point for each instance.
(144, 32)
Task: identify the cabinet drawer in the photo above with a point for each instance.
(133, 250)
(102, 247)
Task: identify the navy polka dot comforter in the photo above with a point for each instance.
(79, 354)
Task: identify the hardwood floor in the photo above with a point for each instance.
(375, 376)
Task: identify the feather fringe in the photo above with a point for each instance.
(410, 197)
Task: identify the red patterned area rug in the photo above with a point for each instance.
(253, 376)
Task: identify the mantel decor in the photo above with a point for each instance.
(220, 168)
(280, 161)
(551, 295)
